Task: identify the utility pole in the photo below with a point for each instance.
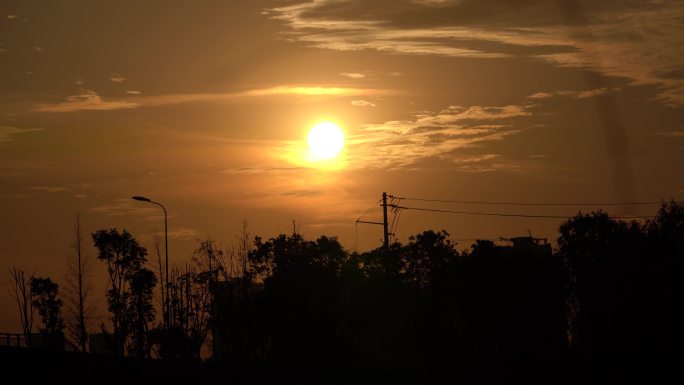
(384, 224)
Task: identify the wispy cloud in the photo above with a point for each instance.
(260, 170)
(583, 94)
(123, 207)
(88, 100)
(85, 100)
(15, 167)
(50, 189)
(116, 78)
(353, 75)
(303, 193)
(313, 91)
(183, 233)
(362, 103)
(616, 40)
(482, 163)
(12, 17)
(672, 134)
(475, 158)
(402, 144)
(7, 133)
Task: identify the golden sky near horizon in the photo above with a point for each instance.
(205, 106)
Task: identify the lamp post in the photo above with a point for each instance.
(165, 299)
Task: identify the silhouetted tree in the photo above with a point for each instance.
(514, 300)
(191, 297)
(44, 294)
(612, 289)
(244, 246)
(163, 285)
(141, 311)
(417, 303)
(19, 289)
(78, 308)
(129, 295)
(294, 316)
(662, 286)
(426, 258)
(604, 260)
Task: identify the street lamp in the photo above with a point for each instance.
(165, 299)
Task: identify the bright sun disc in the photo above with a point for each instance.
(325, 140)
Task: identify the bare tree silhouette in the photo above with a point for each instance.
(79, 309)
(19, 289)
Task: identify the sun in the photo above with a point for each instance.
(325, 141)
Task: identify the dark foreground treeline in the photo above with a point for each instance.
(612, 289)
(287, 309)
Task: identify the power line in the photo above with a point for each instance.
(534, 203)
(397, 210)
(514, 215)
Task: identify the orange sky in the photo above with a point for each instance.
(203, 106)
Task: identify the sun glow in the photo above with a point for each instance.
(325, 141)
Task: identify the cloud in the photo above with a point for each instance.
(303, 193)
(85, 100)
(50, 189)
(353, 75)
(362, 103)
(14, 167)
(79, 82)
(484, 163)
(116, 78)
(474, 158)
(183, 233)
(37, 49)
(594, 92)
(574, 94)
(541, 95)
(434, 2)
(311, 91)
(612, 39)
(402, 144)
(672, 134)
(327, 225)
(133, 92)
(88, 100)
(126, 207)
(7, 133)
(12, 17)
(260, 170)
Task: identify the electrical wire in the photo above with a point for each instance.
(398, 218)
(515, 215)
(395, 220)
(535, 203)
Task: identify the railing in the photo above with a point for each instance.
(34, 341)
(14, 339)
